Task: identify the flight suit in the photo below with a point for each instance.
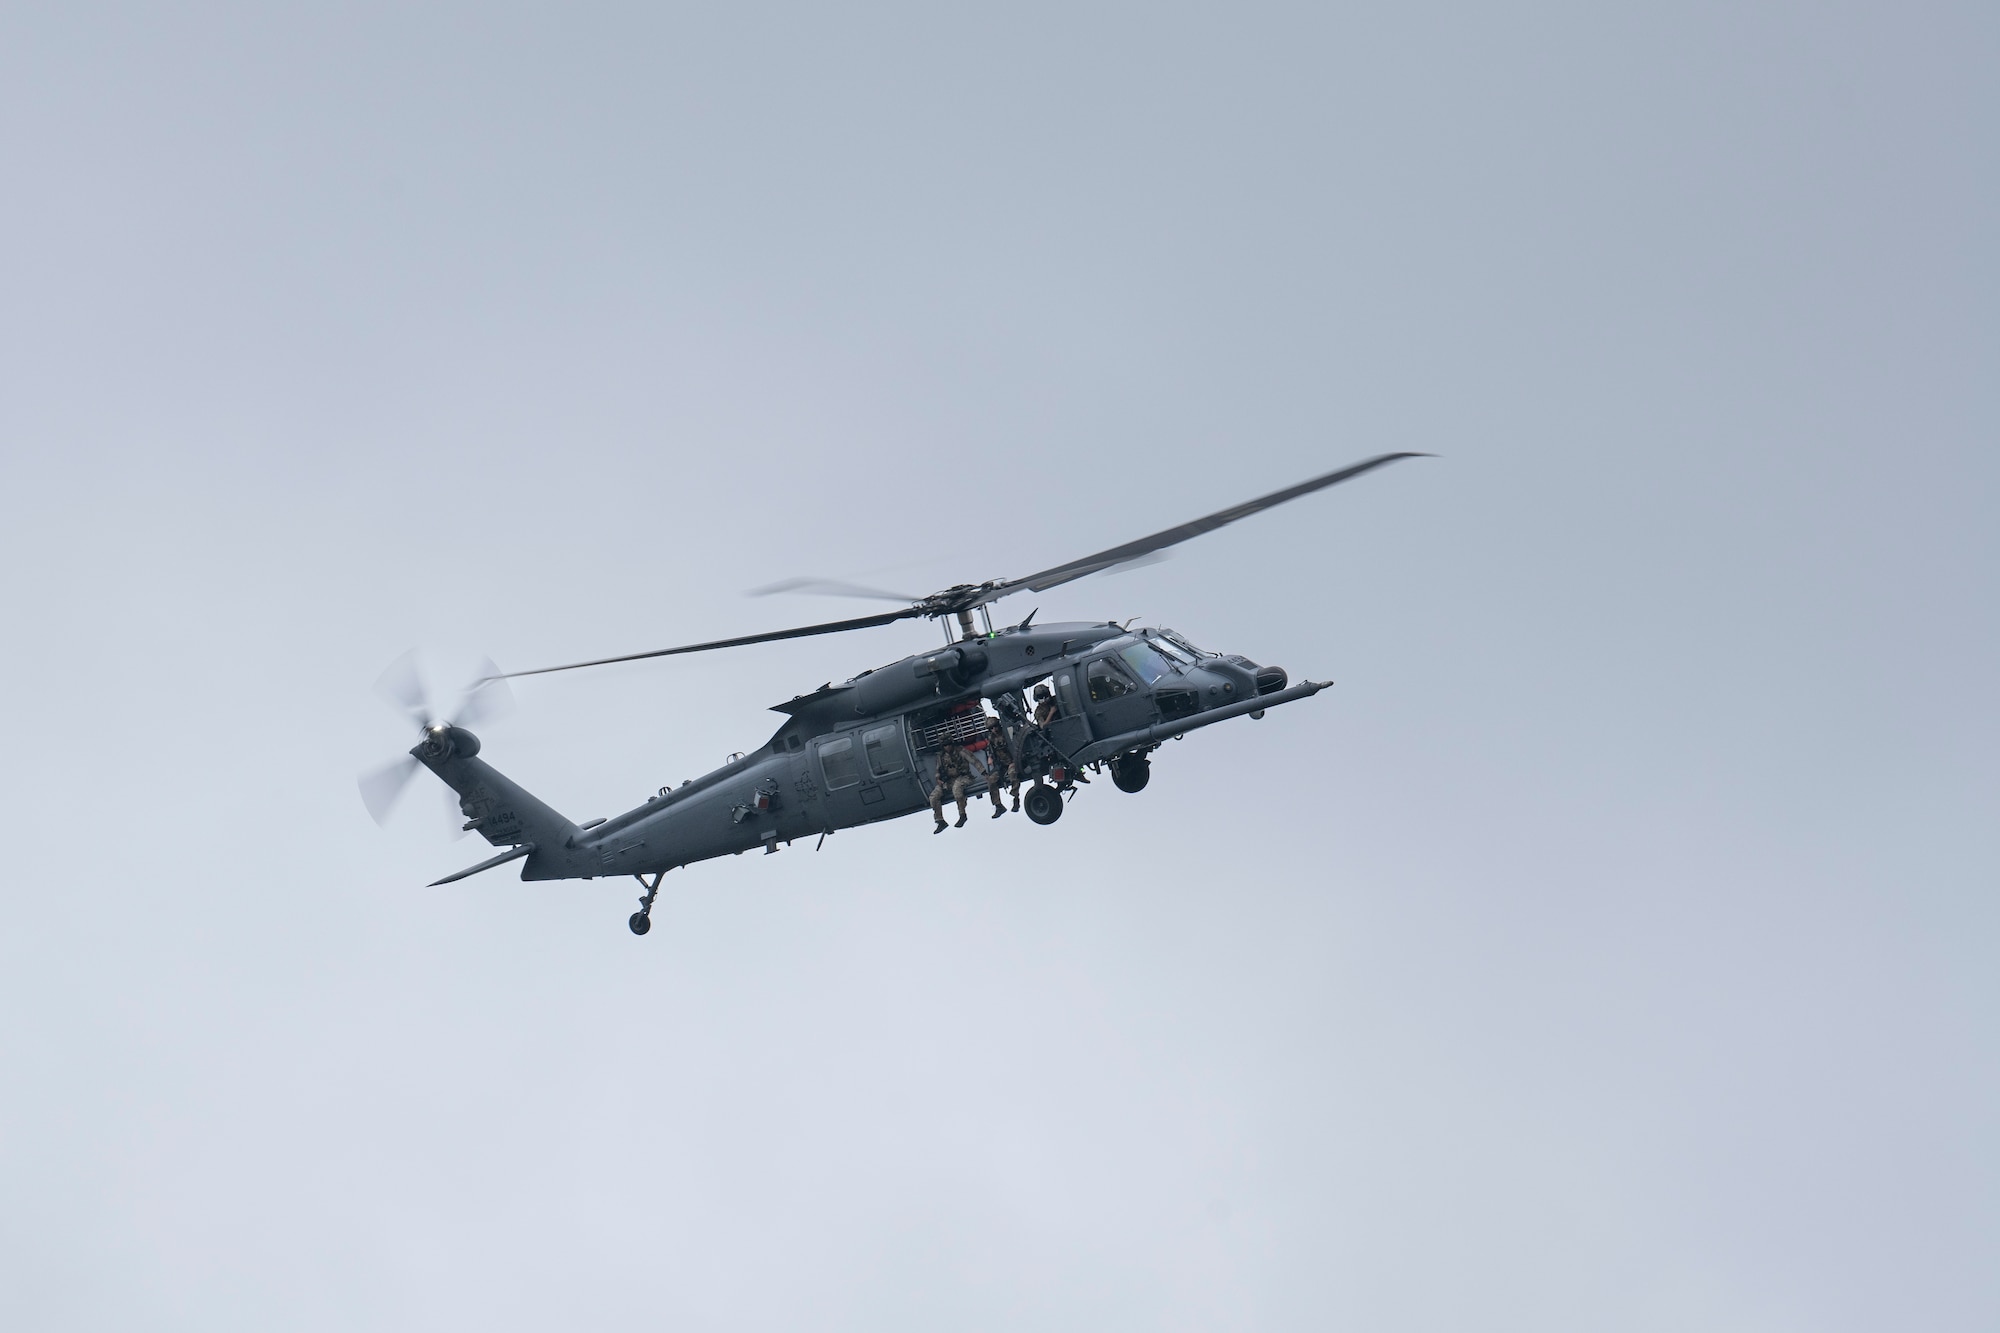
(954, 774)
(1000, 754)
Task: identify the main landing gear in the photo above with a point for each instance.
(1131, 772)
(642, 920)
(1042, 803)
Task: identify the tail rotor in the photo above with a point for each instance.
(401, 686)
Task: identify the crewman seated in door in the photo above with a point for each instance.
(1045, 705)
(954, 775)
(1004, 770)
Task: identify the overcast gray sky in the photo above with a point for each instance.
(1613, 947)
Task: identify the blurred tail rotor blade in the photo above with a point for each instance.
(403, 686)
(486, 698)
(381, 787)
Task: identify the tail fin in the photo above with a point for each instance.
(495, 806)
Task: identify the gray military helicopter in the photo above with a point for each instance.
(867, 750)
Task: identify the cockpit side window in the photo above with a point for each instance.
(1106, 681)
(1146, 662)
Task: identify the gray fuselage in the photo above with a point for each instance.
(866, 751)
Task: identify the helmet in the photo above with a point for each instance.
(1042, 691)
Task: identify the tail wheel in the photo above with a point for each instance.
(1131, 772)
(1042, 803)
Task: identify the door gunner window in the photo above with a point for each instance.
(1105, 682)
(836, 761)
(884, 747)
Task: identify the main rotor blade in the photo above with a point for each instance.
(381, 787)
(1119, 555)
(832, 588)
(804, 631)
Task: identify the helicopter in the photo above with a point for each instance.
(868, 749)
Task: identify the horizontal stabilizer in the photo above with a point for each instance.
(511, 854)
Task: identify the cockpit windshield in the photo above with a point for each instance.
(1181, 643)
(1148, 664)
(1173, 650)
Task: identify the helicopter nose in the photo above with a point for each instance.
(1271, 679)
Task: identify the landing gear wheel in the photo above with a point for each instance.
(1131, 772)
(1043, 803)
(641, 921)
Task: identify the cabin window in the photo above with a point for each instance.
(1105, 681)
(884, 747)
(1149, 665)
(836, 762)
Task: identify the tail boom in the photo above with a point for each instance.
(501, 811)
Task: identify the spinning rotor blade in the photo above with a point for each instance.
(803, 632)
(1133, 551)
(402, 686)
(1136, 562)
(832, 588)
(962, 599)
(381, 788)
(485, 699)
